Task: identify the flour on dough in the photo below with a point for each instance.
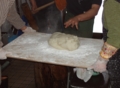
(64, 41)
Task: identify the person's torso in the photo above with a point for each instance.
(80, 6)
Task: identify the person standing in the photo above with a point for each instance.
(8, 12)
(79, 18)
(110, 52)
(48, 75)
(79, 21)
(48, 18)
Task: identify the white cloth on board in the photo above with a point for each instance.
(83, 73)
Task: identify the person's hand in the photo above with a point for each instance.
(29, 30)
(100, 65)
(72, 22)
(3, 54)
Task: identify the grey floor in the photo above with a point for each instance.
(20, 74)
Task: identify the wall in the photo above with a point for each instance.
(98, 21)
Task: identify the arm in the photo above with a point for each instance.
(82, 17)
(34, 5)
(106, 53)
(90, 13)
(14, 18)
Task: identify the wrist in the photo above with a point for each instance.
(107, 51)
(79, 18)
(23, 28)
(103, 60)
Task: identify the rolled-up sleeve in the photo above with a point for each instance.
(14, 18)
(111, 22)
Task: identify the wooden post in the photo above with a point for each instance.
(28, 14)
(50, 76)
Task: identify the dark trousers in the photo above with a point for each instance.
(113, 68)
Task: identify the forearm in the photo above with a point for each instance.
(89, 14)
(82, 17)
(33, 2)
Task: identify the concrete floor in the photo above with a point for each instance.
(20, 74)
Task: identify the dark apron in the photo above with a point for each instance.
(85, 27)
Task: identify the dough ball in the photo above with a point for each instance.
(64, 41)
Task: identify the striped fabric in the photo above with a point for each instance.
(4, 8)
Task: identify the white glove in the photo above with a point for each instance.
(3, 54)
(29, 30)
(100, 65)
(83, 73)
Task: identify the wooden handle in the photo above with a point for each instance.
(43, 6)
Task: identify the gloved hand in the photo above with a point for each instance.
(3, 54)
(100, 65)
(29, 30)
